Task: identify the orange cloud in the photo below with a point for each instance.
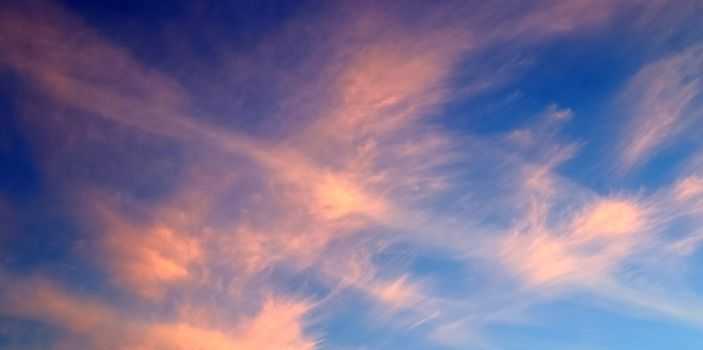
(87, 321)
(593, 242)
(150, 259)
(276, 326)
(541, 258)
(340, 172)
(337, 196)
(40, 300)
(398, 293)
(609, 217)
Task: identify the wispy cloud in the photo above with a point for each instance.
(87, 322)
(660, 99)
(206, 235)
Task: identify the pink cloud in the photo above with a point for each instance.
(150, 259)
(359, 161)
(689, 188)
(659, 98)
(584, 249)
(85, 320)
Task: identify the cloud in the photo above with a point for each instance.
(660, 99)
(84, 320)
(277, 325)
(247, 215)
(610, 217)
(689, 188)
(588, 248)
(151, 258)
(39, 300)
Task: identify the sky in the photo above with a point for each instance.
(338, 175)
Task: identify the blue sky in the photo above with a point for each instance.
(351, 175)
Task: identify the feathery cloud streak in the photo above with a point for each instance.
(193, 226)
